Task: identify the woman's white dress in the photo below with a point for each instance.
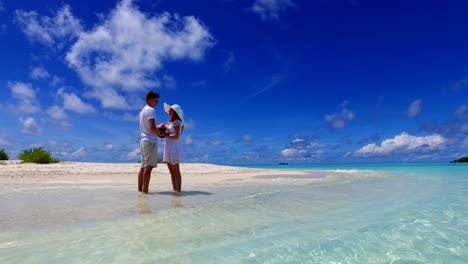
(173, 147)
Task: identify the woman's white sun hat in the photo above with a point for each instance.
(176, 108)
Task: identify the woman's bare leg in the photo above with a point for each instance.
(171, 171)
(178, 177)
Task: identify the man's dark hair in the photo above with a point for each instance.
(152, 95)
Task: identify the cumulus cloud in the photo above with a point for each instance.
(57, 113)
(5, 140)
(464, 129)
(81, 152)
(26, 96)
(73, 103)
(189, 140)
(414, 108)
(134, 154)
(247, 138)
(29, 126)
(216, 142)
(270, 9)
(189, 123)
(303, 148)
(292, 153)
(340, 119)
(122, 53)
(231, 59)
(168, 81)
(125, 51)
(109, 147)
(461, 111)
(404, 143)
(465, 142)
(50, 31)
(39, 73)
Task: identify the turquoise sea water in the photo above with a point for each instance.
(410, 213)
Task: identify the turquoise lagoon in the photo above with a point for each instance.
(402, 213)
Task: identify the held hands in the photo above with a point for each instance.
(161, 131)
(161, 134)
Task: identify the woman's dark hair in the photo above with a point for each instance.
(176, 117)
(152, 95)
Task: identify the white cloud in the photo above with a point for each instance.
(464, 128)
(5, 140)
(339, 119)
(29, 126)
(128, 117)
(274, 81)
(465, 142)
(271, 9)
(81, 152)
(57, 113)
(56, 80)
(302, 148)
(294, 153)
(215, 142)
(73, 103)
(169, 81)
(26, 96)
(39, 73)
(414, 108)
(227, 66)
(134, 154)
(247, 138)
(2, 7)
(404, 143)
(461, 111)
(124, 52)
(50, 31)
(189, 140)
(108, 147)
(189, 123)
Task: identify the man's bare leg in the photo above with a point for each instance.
(146, 178)
(140, 179)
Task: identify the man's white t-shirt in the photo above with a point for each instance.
(145, 131)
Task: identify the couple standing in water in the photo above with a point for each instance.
(150, 132)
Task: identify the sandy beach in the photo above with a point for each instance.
(16, 172)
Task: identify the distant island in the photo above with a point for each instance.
(460, 160)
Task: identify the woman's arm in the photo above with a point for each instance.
(176, 133)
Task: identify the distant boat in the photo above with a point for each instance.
(283, 163)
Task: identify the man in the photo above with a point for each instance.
(148, 143)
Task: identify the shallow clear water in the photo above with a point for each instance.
(415, 214)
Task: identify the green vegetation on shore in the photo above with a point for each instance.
(461, 160)
(3, 155)
(37, 155)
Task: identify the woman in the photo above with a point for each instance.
(172, 147)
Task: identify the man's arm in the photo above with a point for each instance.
(153, 128)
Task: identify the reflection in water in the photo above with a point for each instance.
(176, 201)
(143, 204)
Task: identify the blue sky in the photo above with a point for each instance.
(260, 81)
